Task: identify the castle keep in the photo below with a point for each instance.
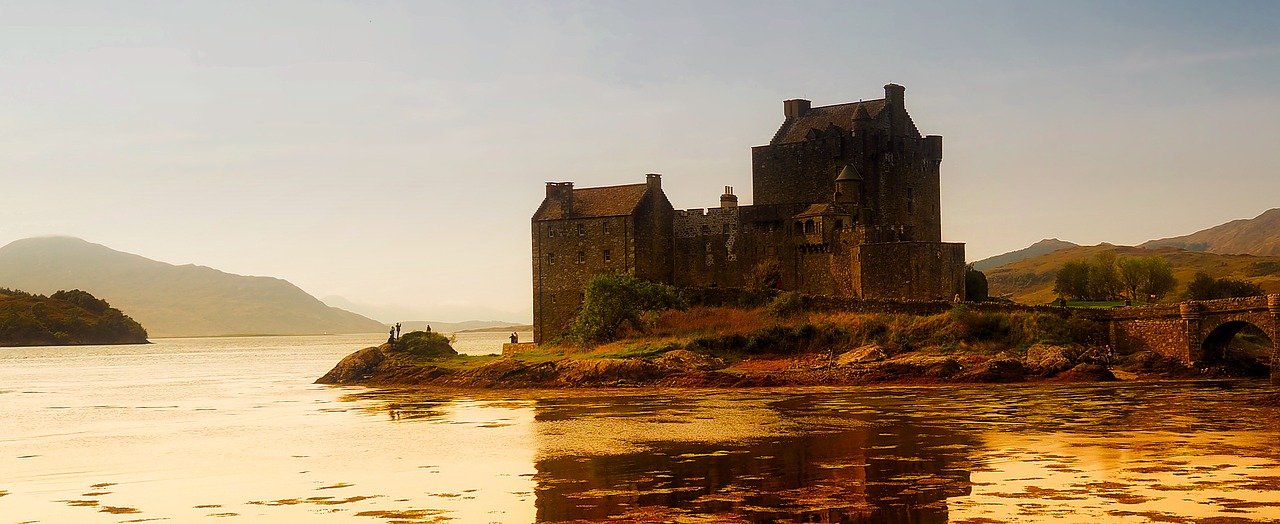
(846, 203)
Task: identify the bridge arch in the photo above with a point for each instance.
(1219, 342)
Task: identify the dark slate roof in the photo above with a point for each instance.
(820, 209)
(608, 201)
(822, 117)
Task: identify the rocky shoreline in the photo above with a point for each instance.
(385, 366)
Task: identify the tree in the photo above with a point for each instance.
(1134, 274)
(610, 300)
(1205, 287)
(1073, 280)
(1160, 280)
(975, 285)
(1202, 287)
(1104, 277)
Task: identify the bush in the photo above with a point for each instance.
(425, 344)
(611, 300)
(786, 304)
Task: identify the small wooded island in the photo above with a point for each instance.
(635, 333)
(65, 318)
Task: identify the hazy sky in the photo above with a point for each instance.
(392, 153)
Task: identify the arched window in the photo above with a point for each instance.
(808, 226)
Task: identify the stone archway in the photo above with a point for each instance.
(1240, 343)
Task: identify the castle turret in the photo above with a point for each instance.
(849, 189)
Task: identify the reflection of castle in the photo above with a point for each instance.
(846, 204)
(889, 472)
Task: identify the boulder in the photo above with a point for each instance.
(1086, 373)
(862, 355)
(684, 359)
(1047, 359)
(996, 370)
(354, 367)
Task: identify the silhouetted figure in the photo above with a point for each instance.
(397, 330)
(514, 337)
(428, 328)
(391, 336)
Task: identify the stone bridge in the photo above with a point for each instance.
(1196, 331)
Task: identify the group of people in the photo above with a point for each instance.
(394, 334)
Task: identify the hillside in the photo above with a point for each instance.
(1042, 247)
(1031, 281)
(173, 300)
(1255, 236)
(63, 319)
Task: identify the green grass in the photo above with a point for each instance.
(1094, 304)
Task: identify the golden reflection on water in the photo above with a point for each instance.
(230, 430)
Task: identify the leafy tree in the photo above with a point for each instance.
(1104, 277)
(610, 300)
(1073, 280)
(1160, 280)
(1134, 275)
(975, 285)
(1202, 287)
(1205, 287)
(1232, 288)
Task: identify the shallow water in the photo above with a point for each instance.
(230, 429)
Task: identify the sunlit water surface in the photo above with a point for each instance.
(231, 429)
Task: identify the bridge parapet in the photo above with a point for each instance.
(1237, 304)
(1273, 304)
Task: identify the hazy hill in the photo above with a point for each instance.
(1254, 236)
(66, 318)
(1031, 280)
(1047, 245)
(173, 300)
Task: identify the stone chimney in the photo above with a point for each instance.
(796, 108)
(561, 194)
(728, 199)
(894, 94)
(653, 180)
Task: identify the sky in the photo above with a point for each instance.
(392, 153)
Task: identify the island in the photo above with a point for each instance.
(715, 338)
(65, 318)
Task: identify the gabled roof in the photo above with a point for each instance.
(820, 210)
(841, 115)
(608, 201)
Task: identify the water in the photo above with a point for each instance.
(230, 429)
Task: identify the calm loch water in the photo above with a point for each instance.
(231, 430)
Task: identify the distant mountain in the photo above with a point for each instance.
(455, 327)
(391, 314)
(1047, 245)
(173, 300)
(66, 318)
(1255, 236)
(1031, 280)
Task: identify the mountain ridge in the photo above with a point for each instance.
(173, 300)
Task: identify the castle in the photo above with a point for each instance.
(846, 203)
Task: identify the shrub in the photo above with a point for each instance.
(610, 300)
(425, 344)
(786, 304)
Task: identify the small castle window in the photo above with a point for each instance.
(808, 226)
(606, 227)
(582, 231)
(551, 232)
(839, 225)
(724, 229)
(606, 255)
(551, 259)
(582, 257)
